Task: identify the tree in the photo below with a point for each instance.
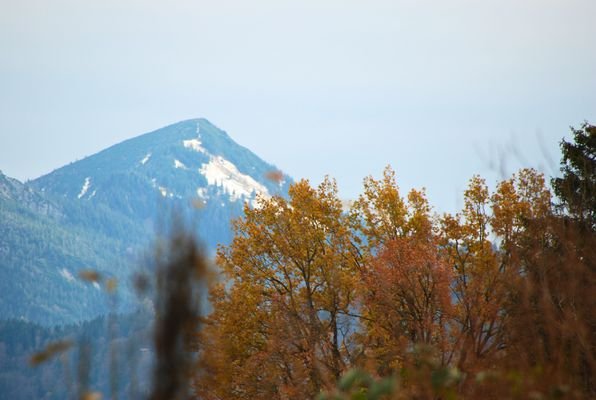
(478, 285)
(551, 325)
(381, 214)
(406, 302)
(518, 203)
(283, 328)
(405, 284)
(576, 189)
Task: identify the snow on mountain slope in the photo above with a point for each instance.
(85, 187)
(178, 164)
(194, 144)
(145, 159)
(220, 171)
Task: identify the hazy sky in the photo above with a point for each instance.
(439, 89)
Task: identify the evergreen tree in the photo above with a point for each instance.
(576, 189)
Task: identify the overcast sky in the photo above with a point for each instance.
(439, 89)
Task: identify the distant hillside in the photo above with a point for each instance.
(103, 212)
(45, 243)
(56, 380)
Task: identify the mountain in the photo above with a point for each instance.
(163, 170)
(103, 213)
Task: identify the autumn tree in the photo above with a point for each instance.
(497, 246)
(443, 282)
(406, 302)
(281, 325)
(478, 287)
(381, 214)
(405, 284)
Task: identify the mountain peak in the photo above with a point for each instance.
(189, 159)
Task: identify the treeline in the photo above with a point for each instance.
(117, 351)
(495, 301)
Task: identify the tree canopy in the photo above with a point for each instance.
(500, 289)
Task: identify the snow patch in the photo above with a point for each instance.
(93, 194)
(85, 187)
(164, 192)
(146, 158)
(67, 275)
(219, 171)
(178, 164)
(194, 144)
(202, 192)
(96, 285)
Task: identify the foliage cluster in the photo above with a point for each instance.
(495, 301)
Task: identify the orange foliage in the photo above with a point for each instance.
(282, 327)
(311, 291)
(407, 302)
